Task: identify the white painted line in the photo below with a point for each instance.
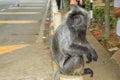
(32, 5)
(4, 13)
(18, 21)
(2, 10)
(25, 8)
(32, 1)
(10, 5)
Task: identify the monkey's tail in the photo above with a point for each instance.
(55, 74)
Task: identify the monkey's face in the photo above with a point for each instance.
(77, 17)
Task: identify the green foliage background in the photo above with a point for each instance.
(98, 13)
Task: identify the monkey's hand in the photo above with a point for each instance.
(92, 56)
(88, 54)
(95, 56)
(89, 58)
(92, 53)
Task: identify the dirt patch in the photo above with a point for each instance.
(111, 42)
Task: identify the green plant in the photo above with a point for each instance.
(68, 1)
(109, 0)
(98, 14)
(87, 5)
(101, 38)
(113, 21)
(110, 43)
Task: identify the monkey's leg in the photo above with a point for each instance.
(88, 71)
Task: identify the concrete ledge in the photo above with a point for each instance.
(116, 57)
(57, 19)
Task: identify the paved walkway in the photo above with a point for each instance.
(105, 68)
(21, 56)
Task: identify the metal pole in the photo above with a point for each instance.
(91, 12)
(62, 3)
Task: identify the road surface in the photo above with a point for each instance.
(21, 57)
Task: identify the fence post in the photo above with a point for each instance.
(91, 13)
(107, 17)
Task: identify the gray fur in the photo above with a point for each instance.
(69, 43)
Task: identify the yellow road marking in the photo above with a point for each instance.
(19, 13)
(18, 21)
(9, 48)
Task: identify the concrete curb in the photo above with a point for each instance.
(116, 57)
(42, 26)
(53, 24)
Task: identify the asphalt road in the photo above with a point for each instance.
(4, 4)
(21, 57)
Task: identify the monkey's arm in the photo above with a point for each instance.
(92, 50)
(59, 58)
(55, 50)
(76, 49)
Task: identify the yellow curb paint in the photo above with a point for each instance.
(19, 13)
(52, 32)
(9, 48)
(54, 66)
(18, 21)
(51, 25)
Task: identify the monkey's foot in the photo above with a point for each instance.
(88, 71)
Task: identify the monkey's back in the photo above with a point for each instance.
(63, 35)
